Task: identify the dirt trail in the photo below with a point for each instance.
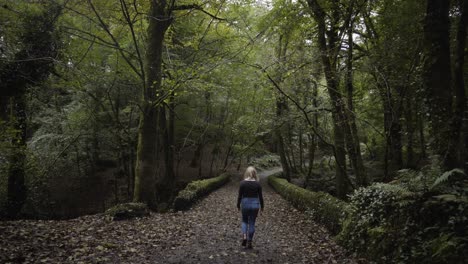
(208, 233)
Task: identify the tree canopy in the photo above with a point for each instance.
(130, 100)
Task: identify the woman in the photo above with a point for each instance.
(250, 199)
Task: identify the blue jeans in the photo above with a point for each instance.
(250, 207)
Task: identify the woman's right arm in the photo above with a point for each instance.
(239, 197)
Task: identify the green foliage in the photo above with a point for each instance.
(198, 189)
(266, 161)
(448, 177)
(418, 218)
(322, 207)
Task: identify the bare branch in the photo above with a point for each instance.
(196, 7)
(126, 14)
(106, 28)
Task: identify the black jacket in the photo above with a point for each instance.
(251, 189)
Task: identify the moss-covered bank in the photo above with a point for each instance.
(324, 208)
(421, 217)
(197, 189)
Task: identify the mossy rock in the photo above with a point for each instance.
(323, 207)
(198, 189)
(127, 211)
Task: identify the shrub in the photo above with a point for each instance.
(266, 161)
(322, 207)
(197, 189)
(419, 218)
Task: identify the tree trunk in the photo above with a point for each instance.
(437, 75)
(340, 160)
(353, 141)
(312, 146)
(165, 184)
(16, 195)
(147, 151)
(29, 68)
(410, 134)
(290, 150)
(328, 55)
(422, 139)
(171, 136)
(392, 129)
(280, 106)
(312, 136)
(456, 154)
(301, 151)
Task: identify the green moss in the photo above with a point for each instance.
(198, 189)
(324, 208)
(127, 211)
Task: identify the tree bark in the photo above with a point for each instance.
(422, 138)
(151, 111)
(437, 75)
(16, 195)
(410, 134)
(328, 54)
(301, 151)
(280, 107)
(29, 68)
(353, 141)
(165, 183)
(393, 159)
(312, 137)
(456, 154)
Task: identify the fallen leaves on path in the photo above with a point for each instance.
(208, 233)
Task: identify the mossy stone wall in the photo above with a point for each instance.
(323, 207)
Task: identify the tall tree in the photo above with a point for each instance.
(457, 154)
(32, 63)
(153, 116)
(154, 139)
(353, 137)
(391, 49)
(329, 51)
(329, 42)
(437, 74)
(282, 108)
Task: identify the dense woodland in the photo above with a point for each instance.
(105, 102)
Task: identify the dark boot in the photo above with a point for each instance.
(249, 244)
(244, 242)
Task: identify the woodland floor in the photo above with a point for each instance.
(208, 233)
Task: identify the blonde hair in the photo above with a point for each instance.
(251, 173)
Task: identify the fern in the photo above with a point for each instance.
(445, 177)
(398, 190)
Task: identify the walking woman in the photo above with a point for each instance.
(249, 201)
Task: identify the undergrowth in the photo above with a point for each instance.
(421, 217)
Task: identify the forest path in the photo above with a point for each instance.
(208, 233)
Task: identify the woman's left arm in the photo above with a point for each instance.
(260, 196)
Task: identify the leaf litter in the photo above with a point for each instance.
(207, 233)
